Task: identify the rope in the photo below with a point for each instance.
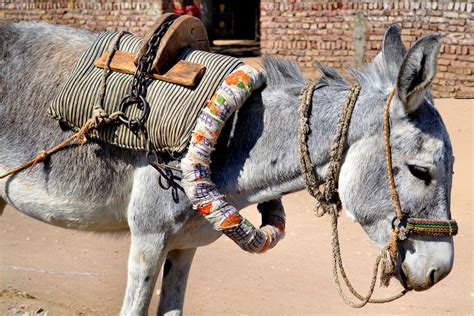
(42, 155)
(338, 144)
(388, 154)
(305, 162)
(99, 118)
(330, 196)
(392, 247)
(329, 202)
(339, 267)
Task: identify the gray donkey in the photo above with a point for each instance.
(98, 187)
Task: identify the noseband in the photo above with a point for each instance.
(328, 200)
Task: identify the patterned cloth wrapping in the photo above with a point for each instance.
(204, 195)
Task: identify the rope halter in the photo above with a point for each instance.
(402, 224)
(329, 202)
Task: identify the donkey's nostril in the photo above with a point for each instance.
(436, 274)
(432, 277)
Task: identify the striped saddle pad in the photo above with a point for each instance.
(174, 108)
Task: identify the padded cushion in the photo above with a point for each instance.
(174, 108)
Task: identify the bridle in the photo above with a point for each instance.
(328, 201)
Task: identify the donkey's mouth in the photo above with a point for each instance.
(402, 277)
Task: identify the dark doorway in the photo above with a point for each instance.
(224, 19)
(233, 26)
(234, 19)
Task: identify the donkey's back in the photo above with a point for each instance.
(35, 61)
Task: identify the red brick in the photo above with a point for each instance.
(302, 30)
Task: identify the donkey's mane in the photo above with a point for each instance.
(377, 75)
(283, 73)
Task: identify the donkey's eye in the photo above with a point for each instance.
(421, 173)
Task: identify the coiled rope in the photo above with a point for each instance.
(329, 202)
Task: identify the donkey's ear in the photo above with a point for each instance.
(417, 71)
(393, 49)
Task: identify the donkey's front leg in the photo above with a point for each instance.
(175, 277)
(149, 238)
(147, 253)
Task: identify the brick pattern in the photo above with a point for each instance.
(310, 31)
(306, 31)
(97, 15)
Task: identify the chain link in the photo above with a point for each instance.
(137, 97)
(139, 89)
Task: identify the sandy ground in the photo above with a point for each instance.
(61, 272)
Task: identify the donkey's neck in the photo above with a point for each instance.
(260, 158)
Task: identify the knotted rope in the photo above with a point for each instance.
(99, 118)
(329, 202)
(391, 254)
(80, 137)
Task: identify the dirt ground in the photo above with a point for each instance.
(53, 271)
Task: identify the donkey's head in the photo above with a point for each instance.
(422, 158)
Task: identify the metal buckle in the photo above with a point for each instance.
(401, 224)
(167, 179)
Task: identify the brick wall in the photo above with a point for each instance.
(339, 33)
(96, 15)
(342, 33)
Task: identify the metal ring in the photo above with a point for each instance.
(395, 218)
(401, 222)
(142, 105)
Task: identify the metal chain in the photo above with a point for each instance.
(137, 96)
(138, 92)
